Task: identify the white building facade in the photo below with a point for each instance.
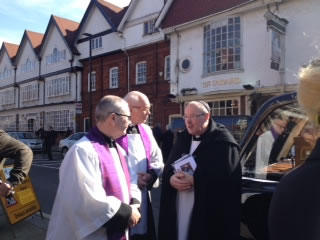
(240, 56)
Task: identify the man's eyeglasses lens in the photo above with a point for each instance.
(123, 115)
(192, 117)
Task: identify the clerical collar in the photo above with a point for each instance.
(111, 143)
(133, 129)
(197, 138)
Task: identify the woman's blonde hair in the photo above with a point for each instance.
(309, 91)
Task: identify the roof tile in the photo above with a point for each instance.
(184, 11)
(114, 12)
(35, 39)
(12, 49)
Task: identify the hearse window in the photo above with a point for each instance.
(278, 145)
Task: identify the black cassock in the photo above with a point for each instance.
(217, 188)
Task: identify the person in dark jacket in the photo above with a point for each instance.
(206, 205)
(22, 156)
(294, 212)
(49, 141)
(167, 143)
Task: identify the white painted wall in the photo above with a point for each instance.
(256, 51)
(54, 40)
(25, 53)
(96, 23)
(6, 63)
(145, 7)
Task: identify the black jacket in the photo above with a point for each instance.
(20, 153)
(217, 188)
(295, 207)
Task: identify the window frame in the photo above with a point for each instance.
(222, 46)
(93, 81)
(143, 74)
(112, 76)
(167, 70)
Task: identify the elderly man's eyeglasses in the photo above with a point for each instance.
(192, 117)
(123, 115)
(144, 109)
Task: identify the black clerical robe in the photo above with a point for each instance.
(217, 188)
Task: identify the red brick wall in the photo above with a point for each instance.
(156, 88)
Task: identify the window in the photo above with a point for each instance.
(167, 68)
(93, 81)
(150, 118)
(56, 56)
(28, 66)
(59, 120)
(96, 43)
(279, 144)
(30, 92)
(8, 123)
(222, 49)
(114, 77)
(225, 107)
(7, 96)
(6, 73)
(149, 27)
(86, 124)
(141, 72)
(59, 86)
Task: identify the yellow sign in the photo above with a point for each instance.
(23, 203)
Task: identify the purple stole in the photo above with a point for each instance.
(123, 142)
(111, 183)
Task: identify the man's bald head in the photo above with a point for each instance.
(135, 97)
(139, 106)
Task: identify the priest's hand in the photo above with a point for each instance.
(144, 179)
(135, 215)
(181, 181)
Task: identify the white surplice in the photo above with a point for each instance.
(137, 162)
(185, 202)
(81, 206)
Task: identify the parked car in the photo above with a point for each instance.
(287, 151)
(28, 138)
(65, 144)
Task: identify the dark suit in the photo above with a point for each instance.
(295, 207)
(217, 188)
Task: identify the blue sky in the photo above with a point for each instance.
(34, 15)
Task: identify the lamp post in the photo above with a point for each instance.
(90, 77)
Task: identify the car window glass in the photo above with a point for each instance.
(278, 145)
(78, 136)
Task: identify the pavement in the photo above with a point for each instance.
(32, 228)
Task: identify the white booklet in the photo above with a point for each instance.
(185, 164)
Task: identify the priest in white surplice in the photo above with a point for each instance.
(95, 199)
(144, 160)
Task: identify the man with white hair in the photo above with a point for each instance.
(205, 205)
(144, 160)
(95, 199)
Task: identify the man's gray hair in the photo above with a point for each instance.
(202, 105)
(107, 105)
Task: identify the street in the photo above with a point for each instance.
(44, 175)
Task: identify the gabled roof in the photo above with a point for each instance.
(184, 11)
(11, 50)
(112, 13)
(35, 40)
(67, 28)
(127, 14)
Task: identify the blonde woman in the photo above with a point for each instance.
(295, 206)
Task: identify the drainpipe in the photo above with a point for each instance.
(177, 64)
(128, 59)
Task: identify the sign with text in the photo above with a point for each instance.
(78, 108)
(23, 203)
